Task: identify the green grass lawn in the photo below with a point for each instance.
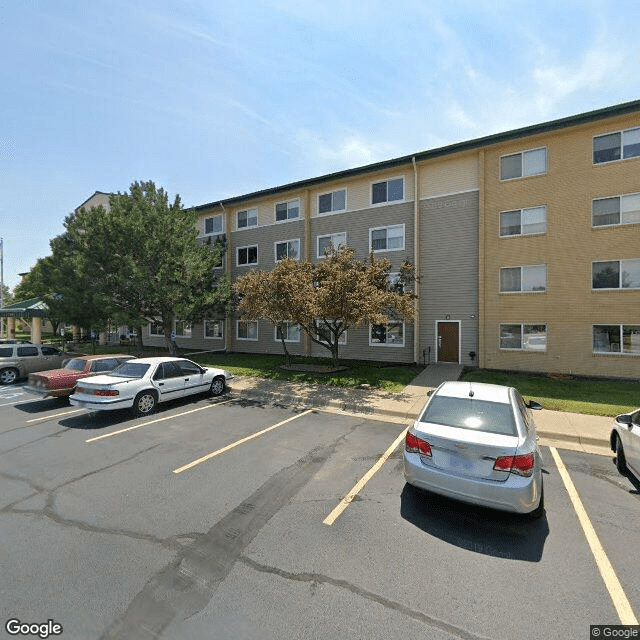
(594, 397)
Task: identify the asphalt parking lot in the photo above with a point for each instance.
(223, 518)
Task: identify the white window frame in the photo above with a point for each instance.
(387, 227)
(155, 335)
(332, 210)
(622, 352)
(387, 201)
(246, 264)
(253, 211)
(213, 233)
(330, 235)
(620, 199)
(275, 249)
(289, 327)
(220, 322)
(522, 325)
(521, 290)
(523, 174)
(187, 328)
(247, 322)
(287, 202)
(522, 212)
(620, 270)
(342, 340)
(391, 345)
(611, 133)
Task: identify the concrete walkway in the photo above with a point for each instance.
(556, 428)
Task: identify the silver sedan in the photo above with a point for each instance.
(477, 443)
(625, 441)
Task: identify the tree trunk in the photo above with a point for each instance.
(170, 340)
(140, 343)
(287, 355)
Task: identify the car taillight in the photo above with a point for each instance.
(107, 392)
(414, 444)
(522, 465)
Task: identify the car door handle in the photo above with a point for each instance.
(186, 379)
(161, 384)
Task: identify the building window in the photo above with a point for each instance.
(290, 331)
(287, 210)
(324, 333)
(616, 146)
(247, 255)
(214, 329)
(616, 210)
(213, 226)
(387, 335)
(387, 238)
(248, 218)
(183, 329)
(522, 279)
(247, 330)
(616, 274)
(521, 165)
(333, 201)
(156, 329)
(387, 191)
(288, 249)
(329, 242)
(523, 337)
(523, 222)
(616, 338)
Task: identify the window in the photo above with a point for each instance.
(324, 333)
(156, 329)
(290, 331)
(616, 338)
(334, 240)
(213, 226)
(248, 218)
(287, 210)
(49, 351)
(247, 330)
(616, 146)
(616, 210)
(108, 364)
(247, 255)
(389, 335)
(333, 201)
(523, 222)
(24, 352)
(524, 337)
(183, 329)
(531, 278)
(288, 249)
(521, 165)
(214, 329)
(387, 238)
(387, 191)
(616, 274)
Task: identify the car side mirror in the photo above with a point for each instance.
(536, 406)
(624, 418)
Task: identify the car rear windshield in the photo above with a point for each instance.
(130, 370)
(468, 413)
(75, 365)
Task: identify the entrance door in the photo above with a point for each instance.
(448, 341)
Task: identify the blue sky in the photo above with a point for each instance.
(214, 99)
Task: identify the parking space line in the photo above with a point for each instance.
(57, 415)
(144, 424)
(348, 499)
(239, 442)
(620, 601)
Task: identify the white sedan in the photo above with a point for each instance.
(141, 384)
(625, 441)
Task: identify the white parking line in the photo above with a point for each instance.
(239, 442)
(144, 424)
(348, 499)
(620, 601)
(56, 415)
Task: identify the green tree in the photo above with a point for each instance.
(328, 298)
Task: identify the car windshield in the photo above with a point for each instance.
(75, 365)
(130, 370)
(468, 413)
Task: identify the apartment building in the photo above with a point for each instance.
(526, 243)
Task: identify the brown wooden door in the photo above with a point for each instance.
(448, 341)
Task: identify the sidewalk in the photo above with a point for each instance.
(555, 428)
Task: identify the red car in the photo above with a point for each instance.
(60, 383)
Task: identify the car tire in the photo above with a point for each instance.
(145, 403)
(218, 386)
(8, 376)
(539, 511)
(621, 460)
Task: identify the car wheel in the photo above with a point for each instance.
(218, 385)
(538, 512)
(144, 403)
(621, 461)
(8, 376)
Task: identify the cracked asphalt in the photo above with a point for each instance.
(104, 537)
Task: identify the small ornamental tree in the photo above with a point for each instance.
(328, 298)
